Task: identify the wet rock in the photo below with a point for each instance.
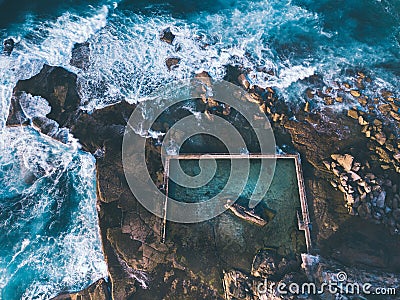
(167, 35)
(362, 121)
(363, 101)
(310, 93)
(81, 56)
(380, 201)
(395, 116)
(172, 62)
(384, 156)
(8, 46)
(307, 107)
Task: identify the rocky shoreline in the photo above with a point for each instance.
(349, 158)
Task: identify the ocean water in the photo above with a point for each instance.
(293, 38)
(49, 234)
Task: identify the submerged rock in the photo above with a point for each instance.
(8, 46)
(81, 56)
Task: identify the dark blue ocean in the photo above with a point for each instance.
(47, 190)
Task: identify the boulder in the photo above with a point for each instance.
(352, 113)
(380, 138)
(362, 121)
(346, 161)
(97, 291)
(384, 108)
(167, 35)
(380, 200)
(243, 81)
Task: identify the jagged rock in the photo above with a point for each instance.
(395, 115)
(327, 164)
(238, 286)
(167, 36)
(363, 101)
(384, 108)
(380, 201)
(8, 46)
(362, 121)
(382, 154)
(346, 161)
(380, 138)
(307, 107)
(58, 86)
(356, 166)
(350, 199)
(378, 122)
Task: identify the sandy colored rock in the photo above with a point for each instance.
(307, 107)
(362, 101)
(352, 114)
(384, 108)
(355, 93)
(362, 121)
(380, 138)
(346, 160)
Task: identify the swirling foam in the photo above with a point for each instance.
(48, 218)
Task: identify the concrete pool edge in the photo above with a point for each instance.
(303, 222)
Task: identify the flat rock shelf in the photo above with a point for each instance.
(229, 241)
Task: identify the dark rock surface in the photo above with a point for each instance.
(97, 291)
(167, 36)
(59, 88)
(131, 235)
